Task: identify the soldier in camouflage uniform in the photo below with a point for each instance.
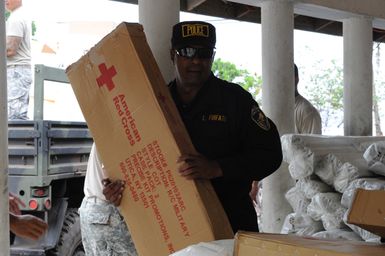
(19, 75)
(104, 231)
(19, 82)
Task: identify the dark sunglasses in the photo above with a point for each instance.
(200, 53)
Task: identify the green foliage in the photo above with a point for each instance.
(7, 13)
(325, 91)
(229, 72)
(33, 28)
(225, 70)
(327, 87)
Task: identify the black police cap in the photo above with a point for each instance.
(193, 33)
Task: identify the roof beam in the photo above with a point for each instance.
(243, 10)
(321, 27)
(192, 4)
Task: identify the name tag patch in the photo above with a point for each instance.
(214, 118)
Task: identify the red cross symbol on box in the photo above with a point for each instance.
(106, 76)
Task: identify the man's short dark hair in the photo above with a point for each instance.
(193, 33)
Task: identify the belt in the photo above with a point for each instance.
(21, 66)
(96, 200)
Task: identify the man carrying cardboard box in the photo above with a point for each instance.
(236, 141)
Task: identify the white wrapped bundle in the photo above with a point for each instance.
(301, 225)
(214, 248)
(302, 147)
(340, 168)
(305, 161)
(364, 234)
(290, 145)
(323, 203)
(314, 140)
(310, 186)
(291, 142)
(297, 200)
(365, 183)
(375, 157)
(334, 220)
(327, 167)
(302, 164)
(338, 234)
(303, 152)
(348, 172)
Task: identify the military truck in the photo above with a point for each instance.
(47, 165)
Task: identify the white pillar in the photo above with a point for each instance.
(4, 215)
(358, 76)
(277, 101)
(157, 18)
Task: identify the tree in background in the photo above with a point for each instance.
(7, 13)
(325, 91)
(229, 72)
(33, 28)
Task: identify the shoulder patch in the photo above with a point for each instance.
(259, 118)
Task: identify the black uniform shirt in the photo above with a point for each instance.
(225, 124)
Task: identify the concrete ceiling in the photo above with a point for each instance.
(307, 17)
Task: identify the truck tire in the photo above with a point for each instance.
(70, 241)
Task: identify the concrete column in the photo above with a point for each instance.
(4, 215)
(277, 101)
(358, 76)
(157, 18)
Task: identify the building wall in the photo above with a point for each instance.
(374, 8)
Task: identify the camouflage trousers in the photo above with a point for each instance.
(104, 232)
(19, 80)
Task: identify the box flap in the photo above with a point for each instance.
(368, 211)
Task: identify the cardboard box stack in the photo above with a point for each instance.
(247, 243)
(139, 136)
(367, 211)
(328, 170)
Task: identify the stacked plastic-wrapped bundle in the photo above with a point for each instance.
(339, 169)
(327, 208)
(301, 224)
(324, 167)
(338, 234)
(375, 157)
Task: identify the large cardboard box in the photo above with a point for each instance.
(368, 211)
(259, 244)
(139, 135)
